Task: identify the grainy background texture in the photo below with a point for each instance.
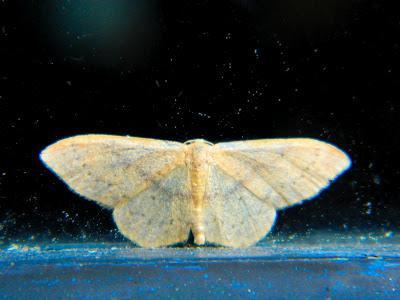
(219, 70)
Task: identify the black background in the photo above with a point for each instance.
(219, 70)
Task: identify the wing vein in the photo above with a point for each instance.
(317, 180)
(223, 232)
(243, 203)
(247, 158)
(241, 183)
(254, 162)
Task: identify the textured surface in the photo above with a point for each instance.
(88, 271)
(226, 194)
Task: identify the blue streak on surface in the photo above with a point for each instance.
(187, 267)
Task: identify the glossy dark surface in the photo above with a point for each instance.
(277, 272)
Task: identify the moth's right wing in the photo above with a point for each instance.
(233, 215)
(111, 169)
(249, 180)
(282, 172)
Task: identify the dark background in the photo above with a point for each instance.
(220, 70)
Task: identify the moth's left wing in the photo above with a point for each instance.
(160, 215)
(111, 169)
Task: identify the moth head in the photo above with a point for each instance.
(198, 141)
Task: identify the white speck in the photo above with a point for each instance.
(368, 205)
(204, 115)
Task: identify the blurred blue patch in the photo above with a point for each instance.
(100, 31)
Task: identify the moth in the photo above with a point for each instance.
(225, 194)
